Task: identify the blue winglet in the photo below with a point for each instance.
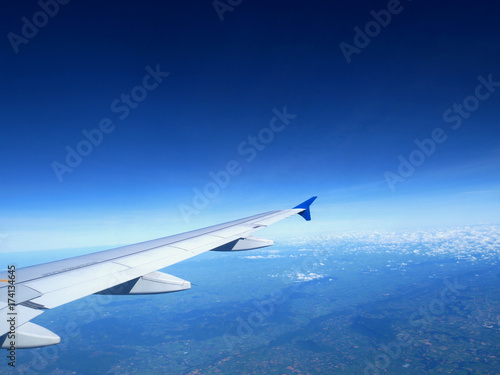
(306, 214)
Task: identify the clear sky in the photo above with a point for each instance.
(116, 118)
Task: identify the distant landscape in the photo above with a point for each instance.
(415, 302)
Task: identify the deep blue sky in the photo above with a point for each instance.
(353, 120)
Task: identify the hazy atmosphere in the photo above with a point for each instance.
(349, 116)
(126, 121)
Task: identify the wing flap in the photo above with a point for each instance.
(22, 293)
(30, 335)
(21, 315)
(65, 280)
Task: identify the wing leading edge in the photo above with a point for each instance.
(130, 269)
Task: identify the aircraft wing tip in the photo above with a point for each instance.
(306, 213)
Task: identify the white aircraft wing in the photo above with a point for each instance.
(27, 292)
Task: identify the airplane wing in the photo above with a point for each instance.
(27, 292)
